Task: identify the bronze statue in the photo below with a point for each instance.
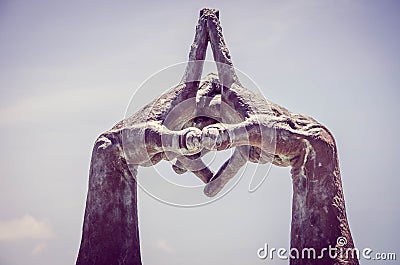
(220, 114)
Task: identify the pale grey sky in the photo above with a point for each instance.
(68, 69)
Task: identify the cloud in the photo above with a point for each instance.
(38, 249)
(24, 228)
(164, 246)
(54, 105)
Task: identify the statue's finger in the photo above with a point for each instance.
(195, 165)
(158, 138)
(253, 132)
(221, 136)
(179, 168)
(227, 171)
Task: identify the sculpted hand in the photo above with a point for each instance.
(267, 133)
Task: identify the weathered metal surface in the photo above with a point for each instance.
(222, 115)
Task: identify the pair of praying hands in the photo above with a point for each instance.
(194, 118)
(216, 113)
(199, 115)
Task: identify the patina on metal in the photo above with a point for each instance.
(259, 130)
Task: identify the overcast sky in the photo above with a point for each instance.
(68, 69)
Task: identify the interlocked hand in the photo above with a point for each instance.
(170, 127)
(267, 133)
(259, 130)
(216, 113)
